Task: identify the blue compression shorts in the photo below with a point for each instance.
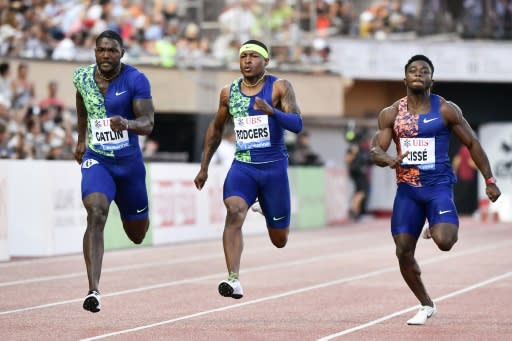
(266, 181)
(415, 204)
(122, 180)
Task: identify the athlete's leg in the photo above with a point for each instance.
(232, 238)
(97, 206)
(132, 200)
(278, 236)
(405, 248)
(445, 235)
(136, 229)
(275, 200)
(443, 217)
(408, 218)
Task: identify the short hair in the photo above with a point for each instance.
(256, 42)
(109, 34)
(420, 57)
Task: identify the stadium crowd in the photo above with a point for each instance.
(172, 33)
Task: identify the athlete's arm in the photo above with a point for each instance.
(381, 141)
(455, 120)
(213, 137)
(144, 121)
(81, 112)
(289, 118)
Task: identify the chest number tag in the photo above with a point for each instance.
(422, 151)
(252, 132)
(105, 138)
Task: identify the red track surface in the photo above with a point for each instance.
(340, 282)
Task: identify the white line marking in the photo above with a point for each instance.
(204, 278)
(294, 292)
(169, 262)
(401, 312)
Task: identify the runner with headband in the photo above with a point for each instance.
(261, 107)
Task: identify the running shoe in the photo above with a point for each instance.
(257, 208)
(92, 301)
(423, 315)
(427, 234)
(231, 288)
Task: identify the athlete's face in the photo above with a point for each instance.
(108, 54)
(252, 64)
(418, 76)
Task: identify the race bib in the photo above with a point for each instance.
(104, 138)
(422, 151)
(252, 132)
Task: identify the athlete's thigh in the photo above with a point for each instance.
(408, 212)
(97, 178)
(441, 207)
(274, 195)
(241, 182)
(132, 195)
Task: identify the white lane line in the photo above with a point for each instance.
(203, 257)
(413, 308)
(206, 277)
(292, 292)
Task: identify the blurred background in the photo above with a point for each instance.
(345, 59)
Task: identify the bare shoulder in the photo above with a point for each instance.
(450, 111)
(387, 115)
(224, 93)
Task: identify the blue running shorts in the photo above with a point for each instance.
(415, 204)
(266, 181)
(122, 180)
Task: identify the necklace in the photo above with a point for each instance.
(108, 79)
(253, 85)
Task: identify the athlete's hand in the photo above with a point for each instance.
(79, 151)
(200, 179)
(493, 192)
(396, 161)
(118, 123)
(262, 105)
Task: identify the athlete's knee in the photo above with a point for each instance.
(278, 237)
(445, 237)
(97, 214)
(136, 231)
(236, 212)
(280, 241)
(446, 244)
(405, 255)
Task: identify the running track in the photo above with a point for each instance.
(338, 283)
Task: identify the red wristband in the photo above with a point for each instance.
(491, 180)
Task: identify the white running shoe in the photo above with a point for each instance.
(257, 208)
(231, 288)
(92, 301)
(423, 315)
(427, 234)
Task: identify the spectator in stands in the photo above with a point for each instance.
(238, 20)
(6, 152)
(5, 86)
(22, 88)
(501, 15)
(52, 100)
(302, 153)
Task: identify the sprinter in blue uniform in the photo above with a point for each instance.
(420, 125)
(114, 106)
(261, 106)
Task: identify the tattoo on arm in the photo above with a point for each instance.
(288, 100)
(144, 117)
